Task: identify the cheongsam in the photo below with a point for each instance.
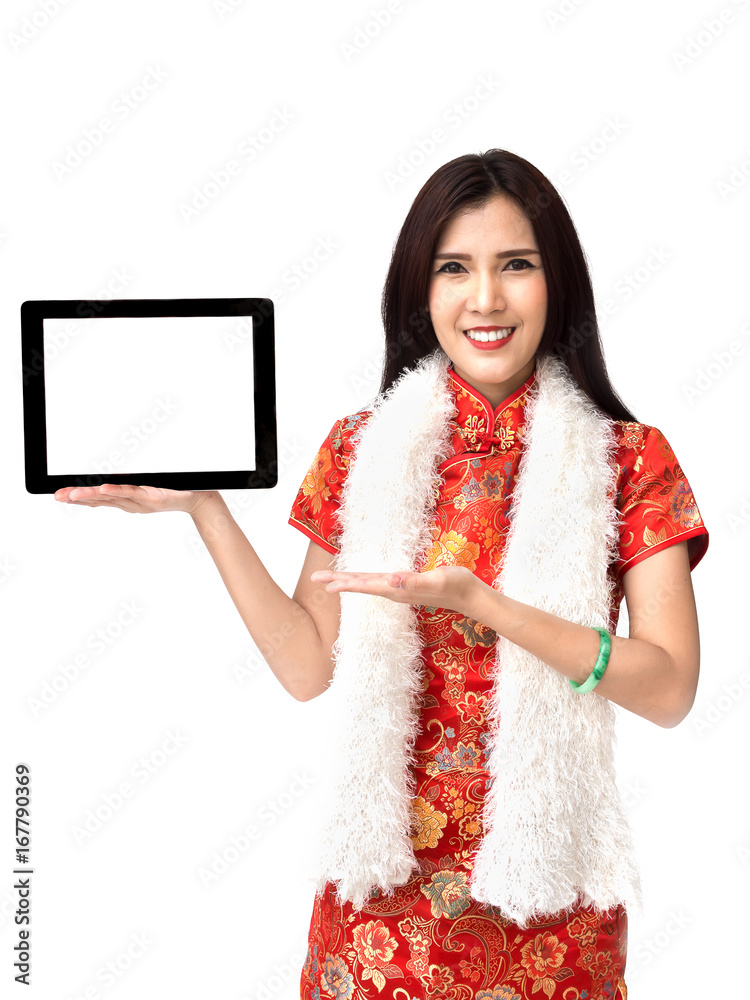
(431, 939)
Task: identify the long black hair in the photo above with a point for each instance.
(571, 330)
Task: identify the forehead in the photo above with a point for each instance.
(500, 217)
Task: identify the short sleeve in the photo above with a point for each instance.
(656, 501)
(319, 497)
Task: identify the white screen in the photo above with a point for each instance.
(149, 394)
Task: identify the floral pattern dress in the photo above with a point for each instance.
(431, 939)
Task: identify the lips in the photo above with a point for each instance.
(476, 333)
(491, 345)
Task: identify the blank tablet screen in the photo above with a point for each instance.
(164, 392)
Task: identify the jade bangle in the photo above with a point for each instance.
(605, 645)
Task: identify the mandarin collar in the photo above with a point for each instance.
(478, 427)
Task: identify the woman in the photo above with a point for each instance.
(487, 243)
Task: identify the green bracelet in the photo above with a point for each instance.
(605, 644)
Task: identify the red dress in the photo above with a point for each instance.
(431, 939)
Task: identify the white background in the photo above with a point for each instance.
(674, 89)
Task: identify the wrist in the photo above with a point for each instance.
(480, 598)
(207, 506)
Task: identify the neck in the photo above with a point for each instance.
(496, 393)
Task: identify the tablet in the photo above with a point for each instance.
(179, 393)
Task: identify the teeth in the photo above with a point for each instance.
(493, 335)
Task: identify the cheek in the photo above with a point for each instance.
(442, 299)
(536, 299)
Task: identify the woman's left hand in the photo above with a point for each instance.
(449, 587)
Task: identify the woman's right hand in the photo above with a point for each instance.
(134, 499)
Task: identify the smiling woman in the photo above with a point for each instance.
(487, 313)
(503, 500)
(471, 537)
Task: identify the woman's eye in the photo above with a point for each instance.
(516, 260)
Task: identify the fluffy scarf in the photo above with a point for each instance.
(555, 832)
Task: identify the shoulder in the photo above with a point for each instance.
(343, 436)
(350, 425)
(644, 451)
(655, 499)
(314, 508)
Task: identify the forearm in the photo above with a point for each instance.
(284, 632)
(640, 676)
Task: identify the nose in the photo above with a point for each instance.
(484, 294)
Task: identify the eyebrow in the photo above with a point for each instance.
(467, 256)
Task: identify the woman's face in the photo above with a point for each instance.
(487, 272)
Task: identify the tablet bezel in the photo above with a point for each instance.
(33, 312)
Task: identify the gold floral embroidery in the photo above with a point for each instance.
(541, 958)
(472, 706)
(314, 485)
(373, 948)
(428, 823)
(504, 435)
(452, 549)
(473, 429)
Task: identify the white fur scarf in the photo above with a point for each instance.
(554, 825)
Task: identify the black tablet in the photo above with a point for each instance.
(178, 393)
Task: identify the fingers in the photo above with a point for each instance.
(90, 495)
(361, 582)
(106, 495)
(78, 493)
